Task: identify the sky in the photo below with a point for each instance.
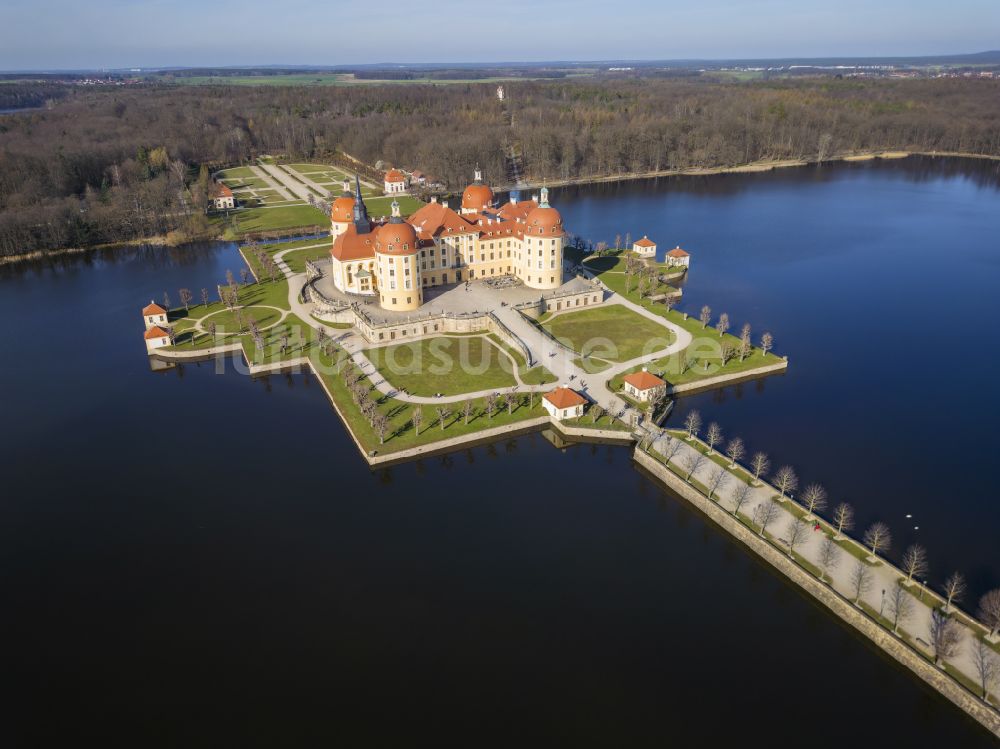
(70, 34)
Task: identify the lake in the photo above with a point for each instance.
(202, 560)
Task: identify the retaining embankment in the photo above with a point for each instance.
(850, 614)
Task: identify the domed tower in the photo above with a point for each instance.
(543, 245)
(396, 264)
(477, 196)
(342, 211)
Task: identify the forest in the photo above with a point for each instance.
(110, 164)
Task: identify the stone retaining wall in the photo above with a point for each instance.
(898, 650)
(726, 379)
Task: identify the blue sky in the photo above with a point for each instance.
(49, 34)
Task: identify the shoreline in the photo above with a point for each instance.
(751, 168)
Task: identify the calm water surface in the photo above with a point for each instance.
(204, 560)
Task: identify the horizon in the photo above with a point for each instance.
(120, 36)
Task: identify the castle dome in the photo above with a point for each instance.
(476, 197)
(396, 238)
(342, 209)
(543, 220)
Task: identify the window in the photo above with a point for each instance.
(394, 300)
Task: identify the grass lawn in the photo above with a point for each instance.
(590, 365)
(237, 172)
(449, 365)
(297, 260)
(401, 433)
(537, 375)
(284, 217)
(226, 319)
(629, 335)
(383, 206)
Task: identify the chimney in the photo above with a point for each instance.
(534, 196)
(434, 198)
(444, 203)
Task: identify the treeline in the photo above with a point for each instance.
(112, 164)
(23, 95)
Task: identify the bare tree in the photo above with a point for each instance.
(718, 479)
(244, 276)
(861, 580)
(166, 301)
(713, 436)
(467, 410)
(511, 400)
(764, 514)
(204, 297)
(987, 667)
(766, 343)
(843, 518)
(596, 412)
(705, 316)
(760, 464)
(692, 463)
(671, 449)
(418, 418)
(829, 556)
(735, 451)
(954, 589)
(989, 611)
(692, 423)
(723, 324)
(381, 423)
(814, 499)
(443, 413)
(798, 531)
(491, 405)
(210, 327)
(946, 637)
(186, 296)
(785, 480)
(900, 607)
(914, 562)
(877, 538)
(745, 345)
(740, 497)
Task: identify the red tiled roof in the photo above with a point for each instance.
(565, 398)
(353, 246)
(677, 252)
(394, 175)
(476, 196)
(644, 380)
(645, 242)
(155, 332)
(153, 309)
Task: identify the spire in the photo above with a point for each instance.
(478, 174)
(361, 221)
(545, 198)
(396, 217)
(347, 188)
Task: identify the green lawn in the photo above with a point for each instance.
(226, 319)
(537, 375)
(284, 217)
(237, 172)
(590, 365)
(613, 332)
(383, 206)
(297, 260)
(444, 364)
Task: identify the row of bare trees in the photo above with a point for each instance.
(946, 633)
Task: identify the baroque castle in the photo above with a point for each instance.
(395, 260)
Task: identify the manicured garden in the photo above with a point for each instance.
(445, 364)
(281, 217)
(613, 332)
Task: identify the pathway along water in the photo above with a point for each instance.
(194, 558)
(879, 280)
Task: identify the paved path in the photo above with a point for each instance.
(274, 184)
(287, 183)
(883, 576)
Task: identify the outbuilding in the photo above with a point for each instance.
(644, 247)
(564, 403)
(644, 386)
(678, 257)
(395, 182)
(156, 337)
(153, 314)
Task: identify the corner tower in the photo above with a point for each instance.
(543, 245)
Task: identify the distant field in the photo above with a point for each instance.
(324, 79)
